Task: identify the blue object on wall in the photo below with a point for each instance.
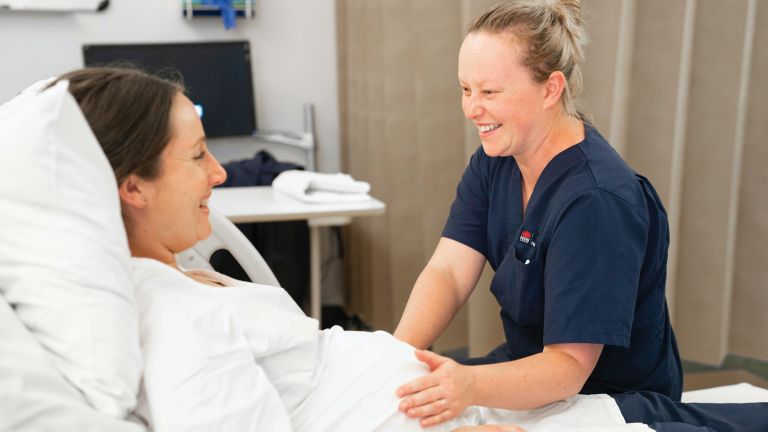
(227, 12)
(227, 9)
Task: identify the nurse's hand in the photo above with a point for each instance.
(440, 395)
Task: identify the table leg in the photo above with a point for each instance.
(314, 272)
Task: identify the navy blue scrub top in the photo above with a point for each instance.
(585, 264)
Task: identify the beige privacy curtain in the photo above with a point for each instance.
(677, 86)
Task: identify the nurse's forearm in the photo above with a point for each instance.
(529, 382)
(432, 305)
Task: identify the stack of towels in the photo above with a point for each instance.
(314, 187)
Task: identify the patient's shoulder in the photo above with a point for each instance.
(161, 287)
(240, 291)
(152, 275)
(147, 269)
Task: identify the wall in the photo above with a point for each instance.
(293, 45)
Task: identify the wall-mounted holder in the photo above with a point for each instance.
(228, 10)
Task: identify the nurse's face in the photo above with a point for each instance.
(176, 209)
(499, 95)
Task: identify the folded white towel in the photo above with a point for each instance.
(314, 187)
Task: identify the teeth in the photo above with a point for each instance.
(204, 202)
(488, 128)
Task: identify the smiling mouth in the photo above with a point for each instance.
(488, 127)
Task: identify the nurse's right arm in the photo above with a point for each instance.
(442, 288)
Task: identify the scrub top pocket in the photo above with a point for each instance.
(519, 288)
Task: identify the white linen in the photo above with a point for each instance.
(63, 249)
(582, 413)
(314, 187)
(34, 396)
(579, 413)
(735, 393)
(361, 371)
(201, 372)
(208, 350)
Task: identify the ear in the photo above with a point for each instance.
(133, 191)
(553, 89)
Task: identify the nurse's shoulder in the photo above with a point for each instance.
(608, 171)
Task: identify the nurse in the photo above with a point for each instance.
(577, 240)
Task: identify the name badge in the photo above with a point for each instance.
(525, 246)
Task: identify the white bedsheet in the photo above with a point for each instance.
(361, 371)
(735, 393)
(246, 358)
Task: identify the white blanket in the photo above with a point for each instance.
(246, 358)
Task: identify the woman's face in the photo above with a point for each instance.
(499, 95)
(176, 206)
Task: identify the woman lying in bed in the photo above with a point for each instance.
(221, 354)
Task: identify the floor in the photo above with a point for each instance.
(733, 370)
(700, 380)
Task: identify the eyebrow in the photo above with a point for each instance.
(483, 83)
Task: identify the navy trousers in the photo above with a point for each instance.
(663, 414)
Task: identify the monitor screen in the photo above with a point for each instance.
(217, 76)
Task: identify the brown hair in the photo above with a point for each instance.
(554, 38)
(129, 113)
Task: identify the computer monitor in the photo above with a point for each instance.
(217, 76)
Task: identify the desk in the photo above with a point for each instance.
(264, 204)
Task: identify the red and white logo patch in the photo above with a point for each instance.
(527, 237)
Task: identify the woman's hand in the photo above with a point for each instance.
(439, 396)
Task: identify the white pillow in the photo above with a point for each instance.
(30, 386)
(63, 250)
